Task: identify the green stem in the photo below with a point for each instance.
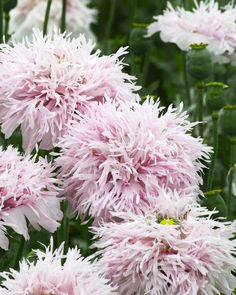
(65, 227)
(3, 140)
(7, 19)
(232, 151)
(1, 21)
(231, 174)
(56, 239)
(146, 65)
(19, 252)
(63, 16)
(186, 82)
(215, 117)
(46, 18)
(200, 87)
(195, 117)
(111, 18)
(2, 264)
(62, 233)
(226, 76)
(230, 194)
(133, 67)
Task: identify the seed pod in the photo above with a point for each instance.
(199, 62)
(215, 95)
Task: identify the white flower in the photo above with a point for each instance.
(206, 23)
(31, 13)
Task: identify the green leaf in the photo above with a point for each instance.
(214, 201)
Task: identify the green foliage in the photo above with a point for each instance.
(214, 201)
(9, 5)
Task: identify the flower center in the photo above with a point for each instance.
(198, 46)
(168, 221)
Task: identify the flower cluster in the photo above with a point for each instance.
(28, 191)
(119, 159)
(45, 81)
(28, 14)
(133, 167)
(56, 273)
(207, 23)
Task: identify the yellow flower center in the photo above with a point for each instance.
(61, 61)
(198, 46)
(168, 221)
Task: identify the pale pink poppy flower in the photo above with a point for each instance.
(163, 252)
(46, 80)
(118, 160)
(206, 23)
(28, 193)
(30, 13)
(55, 273)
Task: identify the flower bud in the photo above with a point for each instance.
(199, 62)
(215, 95)
(228, 120)
(137, 41)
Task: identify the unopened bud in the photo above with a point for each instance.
(199, 62)
(215, 95)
